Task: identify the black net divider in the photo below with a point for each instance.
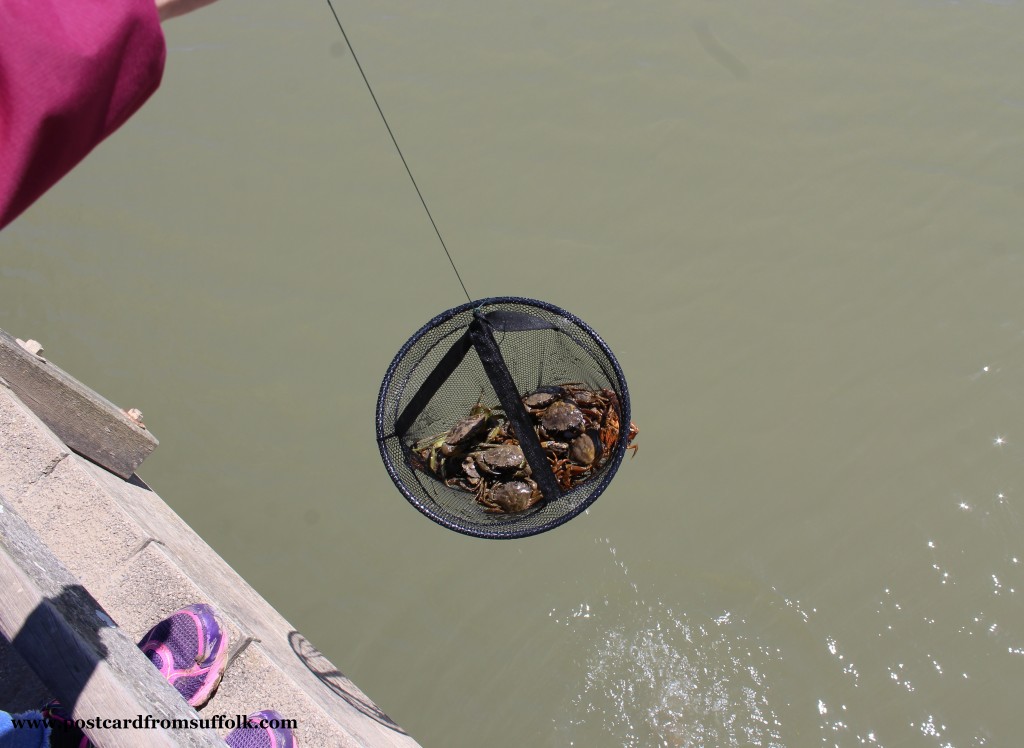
(486, 410)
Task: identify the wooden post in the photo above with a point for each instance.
(89, 424)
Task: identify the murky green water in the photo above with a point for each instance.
(800, 228)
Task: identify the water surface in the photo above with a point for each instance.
(798, 228)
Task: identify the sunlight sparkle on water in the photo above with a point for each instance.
(929, 727)
(657, 677)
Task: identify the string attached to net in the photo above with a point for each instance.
(398, 148)
(503, 417)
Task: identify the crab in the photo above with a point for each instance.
(499, 459)
(585, 398)
(562, 418)
(609, 433)
(465, 430)
(432, 452)
(487, 463)
(633, 431)
(511, 497)
(583, 450)
(567, 473)
(535, 402)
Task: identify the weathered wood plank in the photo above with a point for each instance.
(88, 423)
(66, 638)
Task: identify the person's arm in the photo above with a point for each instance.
(174, 8)
(71, 73)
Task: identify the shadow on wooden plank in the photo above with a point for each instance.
(20, 688)
(45, 637)
(336, 680)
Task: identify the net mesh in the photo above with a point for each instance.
(428, 389)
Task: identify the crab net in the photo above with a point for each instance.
(503, 418)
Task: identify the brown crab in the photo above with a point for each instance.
(609, 433)
(489, 462)
(433, 451)
(511, 497)
(583, 450)
(499, 459)
(463, 432)
(562, 419)
(593, 403)
(535, 402)
(567, 473)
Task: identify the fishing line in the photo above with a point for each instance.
(397, 148)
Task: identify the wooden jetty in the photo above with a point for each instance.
(91, 558)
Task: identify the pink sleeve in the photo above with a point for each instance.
(71, 72)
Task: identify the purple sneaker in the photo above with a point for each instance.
(265, 730)
(190, 650)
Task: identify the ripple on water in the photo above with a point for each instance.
(655, 677)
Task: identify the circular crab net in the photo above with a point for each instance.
(467, 406)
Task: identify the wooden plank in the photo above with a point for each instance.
(88, 423)
(72, 646)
